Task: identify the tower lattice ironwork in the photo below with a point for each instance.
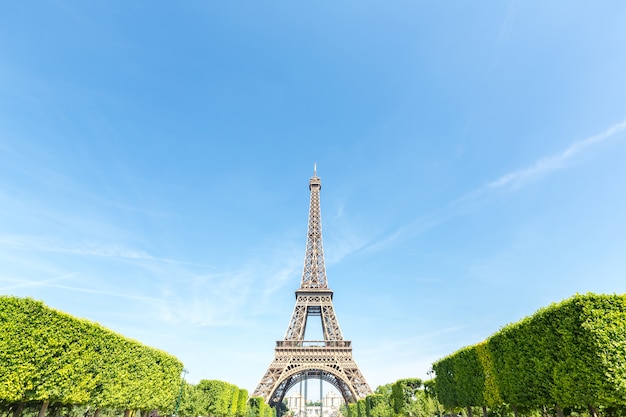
(296, 359)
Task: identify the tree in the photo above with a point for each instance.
(377, 405)
(404, 395)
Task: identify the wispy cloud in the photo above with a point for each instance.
(98, 249)
(23, 283)
(344, 243)
(203, 301)
(513, 179)
(235, 296)
(181, 293)
(221, 300)
(410, 342)
(54, 283)
(417, 226)
(552, 163)
(506, 28)
(507, 24)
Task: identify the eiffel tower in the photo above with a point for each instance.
(296, 359)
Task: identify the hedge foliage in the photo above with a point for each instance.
(259, 408)
(213, 398)
(405, 397)
(571, 354)
(48, 357)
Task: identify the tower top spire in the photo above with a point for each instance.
(314, 274)
(315, 182)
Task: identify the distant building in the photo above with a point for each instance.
(330, 405)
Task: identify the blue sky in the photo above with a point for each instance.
(155, 158)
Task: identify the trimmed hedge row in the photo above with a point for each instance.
(571, 354)
(216, 398)
(405, 397)
(50, 357)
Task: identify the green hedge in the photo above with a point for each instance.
(51, 357)
(571, 354)
(259, 408)
(403, 393)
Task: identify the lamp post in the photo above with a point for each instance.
(180, 393)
